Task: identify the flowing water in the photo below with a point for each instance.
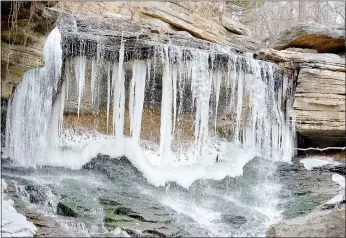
(198, 179)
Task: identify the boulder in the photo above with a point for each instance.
(234, 26)
(327, 223)
(67, 209)
(22, 40)
(324, 39)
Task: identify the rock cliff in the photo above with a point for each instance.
(323, 39)
(314, 52)
(25, 26)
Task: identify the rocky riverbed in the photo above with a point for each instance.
(109, 197)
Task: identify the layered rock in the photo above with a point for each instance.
(319, 101)
(202, 20)
(324, 39)
(227, 33)
(25, 26)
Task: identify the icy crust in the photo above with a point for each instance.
(180, 168)
(14, 224)
(315, 162)
(318, 161)
(340, 180)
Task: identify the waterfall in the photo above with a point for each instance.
(30, 108)
(252, 96)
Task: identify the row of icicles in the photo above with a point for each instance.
(263, 123)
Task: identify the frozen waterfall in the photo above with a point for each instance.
(247, 98)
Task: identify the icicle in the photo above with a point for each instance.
(201, 87)
(119, 96)
(217, 85)
(113, 87)
(239, 104)
(93, 80)
(137, 98)
(80, 62)
(174, 81)
(62, 106)
(108, 91)
(166, 107)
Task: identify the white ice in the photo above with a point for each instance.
(339, 179)
(318, 161)
(13, 224)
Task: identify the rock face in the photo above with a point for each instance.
(202, 20)
(324, 39)
(234, 26)
(201, 27)
(328, 223)
(25, 26)
(319, 100)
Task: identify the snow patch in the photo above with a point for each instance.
(315, 162)
(339, 179)
(14, 224)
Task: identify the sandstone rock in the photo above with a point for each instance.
(328, 223)
(234, 26)
(22, 41)
(322, 61)
(324, 39)
(319, 100)
(198, 26)
(320, 104)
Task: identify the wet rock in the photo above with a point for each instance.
(303, 190)
(237, 220)
(109, 201)
(66, 209)
(40, 195)
(339, 169)
(138, 216)
(46, 226)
